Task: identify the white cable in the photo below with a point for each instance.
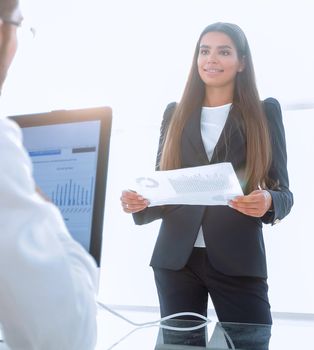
(183, 329)
(229, 339)
(155, 323)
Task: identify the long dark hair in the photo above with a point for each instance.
(245, 99)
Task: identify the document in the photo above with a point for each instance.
(213, 184)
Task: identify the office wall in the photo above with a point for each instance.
(135, 56)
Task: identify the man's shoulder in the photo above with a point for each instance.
(9, 128)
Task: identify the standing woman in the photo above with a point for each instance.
(219, 250)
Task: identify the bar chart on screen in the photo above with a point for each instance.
(72, 196)
(67, 177)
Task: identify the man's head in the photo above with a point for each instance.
(10, 19)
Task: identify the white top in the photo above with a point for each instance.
(213, 120)
(47, 280)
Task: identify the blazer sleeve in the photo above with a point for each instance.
(154, 213)
(282, 198)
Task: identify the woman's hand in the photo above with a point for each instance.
(132, 202)
(256, 204)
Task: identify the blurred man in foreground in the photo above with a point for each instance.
(47, 280)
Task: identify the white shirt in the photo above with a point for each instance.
(47, 280)
(213, 120)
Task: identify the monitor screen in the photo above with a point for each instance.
(69, 151)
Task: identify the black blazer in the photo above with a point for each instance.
(234, 241)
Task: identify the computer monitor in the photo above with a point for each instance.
(69, 150)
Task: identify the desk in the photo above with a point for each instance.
(284, 334)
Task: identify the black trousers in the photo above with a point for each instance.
(235, 299)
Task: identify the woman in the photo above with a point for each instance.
(219, 250)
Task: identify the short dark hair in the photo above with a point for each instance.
(10, 12)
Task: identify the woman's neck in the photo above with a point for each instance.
(217, 97)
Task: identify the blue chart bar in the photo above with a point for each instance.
(73, 197)
(51, 152)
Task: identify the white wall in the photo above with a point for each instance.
(290, 243)
(135, 56)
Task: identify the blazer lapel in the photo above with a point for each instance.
(230, 147)
(193, 151)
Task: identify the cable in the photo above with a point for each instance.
(155, 323)
(179, 314)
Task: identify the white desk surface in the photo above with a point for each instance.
(286, 334)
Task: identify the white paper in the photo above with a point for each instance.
(212, 184)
